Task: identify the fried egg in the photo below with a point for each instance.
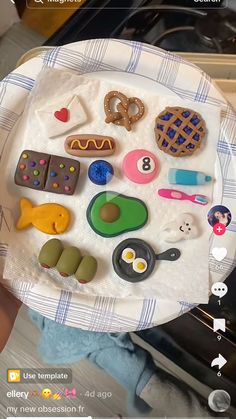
(128, 255)
(140, 265)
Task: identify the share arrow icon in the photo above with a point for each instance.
(219, 362)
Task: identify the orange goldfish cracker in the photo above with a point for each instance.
(48, 218)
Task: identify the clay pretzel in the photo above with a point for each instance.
(122, 116)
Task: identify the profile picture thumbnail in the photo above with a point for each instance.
(219, 214)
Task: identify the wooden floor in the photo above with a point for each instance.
(21, 352)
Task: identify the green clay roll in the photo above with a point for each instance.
(50, 253)
(69, 261)
(86, 270)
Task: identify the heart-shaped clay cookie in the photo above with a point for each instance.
(219, 253)
(62, 115)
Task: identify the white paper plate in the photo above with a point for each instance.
(134, 62)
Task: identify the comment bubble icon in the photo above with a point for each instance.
(219, 289)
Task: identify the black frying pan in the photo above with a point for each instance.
(142, 250)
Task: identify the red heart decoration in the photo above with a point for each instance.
(62, 115)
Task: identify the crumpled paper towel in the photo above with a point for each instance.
(186, 279)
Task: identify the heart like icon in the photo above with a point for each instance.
(62, 115)
(219, 253)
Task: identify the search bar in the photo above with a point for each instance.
(54, 4)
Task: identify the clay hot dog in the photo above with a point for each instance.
(89, 145)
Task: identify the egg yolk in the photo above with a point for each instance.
(141, 266)
(129, 255)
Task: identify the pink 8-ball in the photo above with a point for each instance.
(140, 166)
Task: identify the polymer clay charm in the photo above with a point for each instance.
(50, 253)
(31, 170)
(134, 259)
(187, 177)
(89, 145)
(100, 172)
(122, 115)
(48, 218)
(46, 172)
(179, 131)
(63, 115)
(140, 166)
(68, 261)
(182, 228)
(63, 174)
(110, 214)
(182, 196)
(86, 269)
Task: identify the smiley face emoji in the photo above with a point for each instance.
(46, 393)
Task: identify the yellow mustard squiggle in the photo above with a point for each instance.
(77, 142)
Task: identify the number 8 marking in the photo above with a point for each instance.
(146, 165)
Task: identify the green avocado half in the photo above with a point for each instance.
(110, 214)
